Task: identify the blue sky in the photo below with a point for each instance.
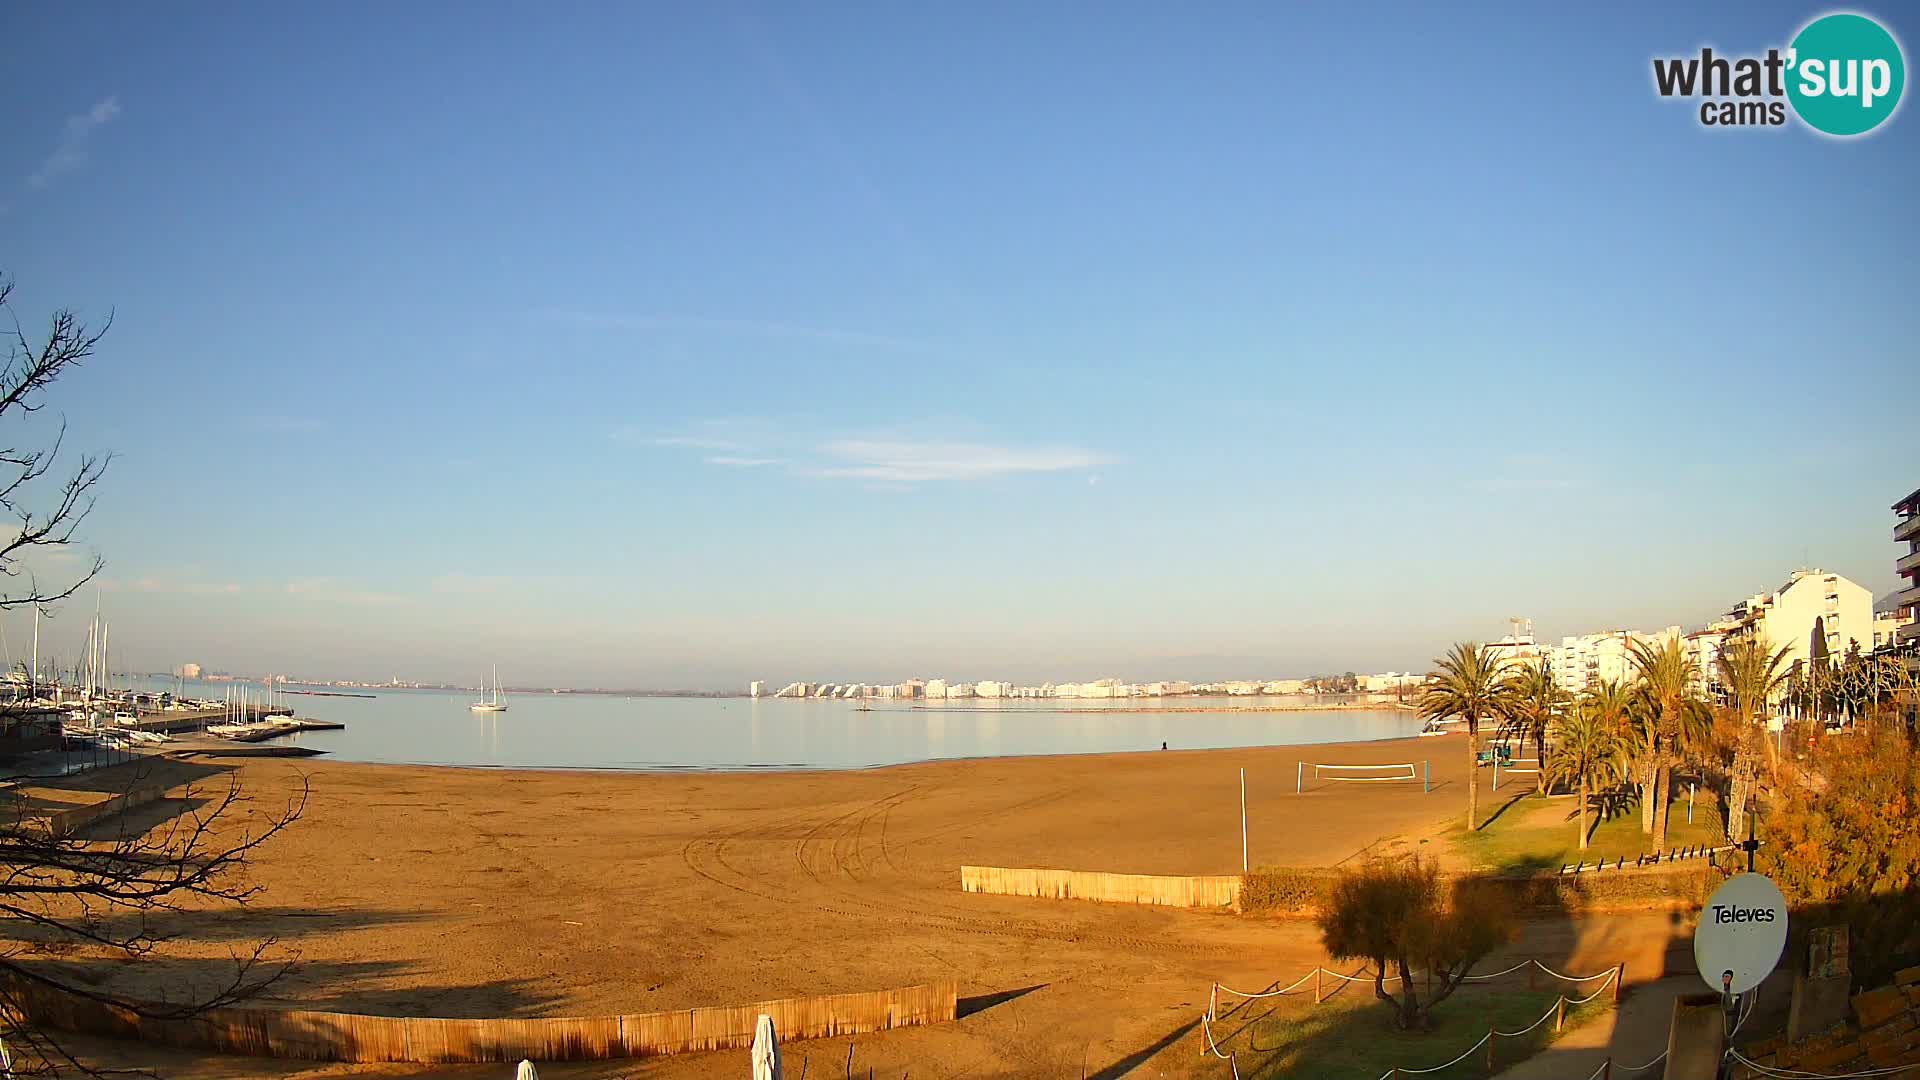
(633, 345)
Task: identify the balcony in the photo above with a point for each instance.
(1908, 563)
(1907, 529)
(1908, 597)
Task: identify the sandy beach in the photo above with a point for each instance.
(447, 892)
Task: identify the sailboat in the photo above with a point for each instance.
(493, 703)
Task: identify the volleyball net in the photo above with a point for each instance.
(1327, 772)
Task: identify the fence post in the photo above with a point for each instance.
(1490, 1040)
(1619, 976)
(1560, 1014)
(1316, 985)
(1606, 1069)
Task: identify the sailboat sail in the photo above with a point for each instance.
(492, 702)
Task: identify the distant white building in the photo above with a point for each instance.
(936, 689)
(1584, 662)
(756, 688)
(1518, 646)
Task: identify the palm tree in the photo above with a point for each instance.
(1467, 682)
(1586, 749)
(1753, 678)
(1673, 718)
(1534, 700)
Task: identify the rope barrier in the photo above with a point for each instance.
(1795, 1074)
(1648, 1065)
(1561, 1002)
(1271, 993)
(1450, 1064)
(1609, 973)
(1604, 987)
(1530, 1027)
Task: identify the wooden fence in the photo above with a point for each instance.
(328, 1036)
(1214, 891)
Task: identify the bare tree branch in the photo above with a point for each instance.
(28, 370)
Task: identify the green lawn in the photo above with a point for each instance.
(1351, 1036)
(1526, 831)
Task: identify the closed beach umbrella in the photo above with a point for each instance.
(766, 1050)
(526, 1071)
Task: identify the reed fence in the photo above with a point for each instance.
(330, 1036)
(1221, 890)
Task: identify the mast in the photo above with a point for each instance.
(35, 680)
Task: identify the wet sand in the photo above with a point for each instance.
(445, 892)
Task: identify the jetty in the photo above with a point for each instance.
(167, 722)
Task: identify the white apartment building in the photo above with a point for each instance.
(756, 688)
(936, 689)
(1583, 662)
(1907, 600)
(1787, 616)
(1886, 629)
(988, 688)
(1703, 649)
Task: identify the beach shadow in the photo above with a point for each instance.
(978, 1003)
(140, 820)
(1504, 807)
(1141, 1056)
(249, 923)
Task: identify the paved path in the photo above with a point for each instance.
(1634, 1034)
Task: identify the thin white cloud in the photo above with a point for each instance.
(71, 151)
(167, 585)
(337, 592)
(286, 424)
(690, 442)
(893, 463)
(748, 327)
(1533, 472)
(469, 584)
(917, 462)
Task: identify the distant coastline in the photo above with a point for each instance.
(1336, 706)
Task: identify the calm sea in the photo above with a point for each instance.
(583, 731)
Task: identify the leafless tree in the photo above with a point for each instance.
(67, 898)
(73, 904)
(31, 366)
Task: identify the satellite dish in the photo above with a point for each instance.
(1742, 932)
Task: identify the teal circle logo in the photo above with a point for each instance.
(1845, 74)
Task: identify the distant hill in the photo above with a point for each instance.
(1885, 603)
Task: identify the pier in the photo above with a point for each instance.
(167, 723)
